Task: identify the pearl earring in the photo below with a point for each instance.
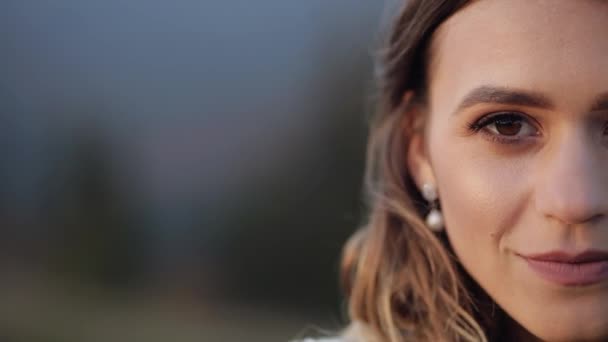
(434, 220)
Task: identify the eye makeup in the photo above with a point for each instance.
(504, 127)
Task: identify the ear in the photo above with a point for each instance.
(418, 159)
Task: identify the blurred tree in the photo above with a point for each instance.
(288, 229)
(97, 242)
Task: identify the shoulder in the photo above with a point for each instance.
(354, 332)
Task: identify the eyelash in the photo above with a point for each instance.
(479, 125)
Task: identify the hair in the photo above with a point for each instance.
(402, 281)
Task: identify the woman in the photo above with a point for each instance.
(487, 177)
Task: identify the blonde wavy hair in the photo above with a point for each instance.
(402, 281)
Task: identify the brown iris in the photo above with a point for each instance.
(508, 126)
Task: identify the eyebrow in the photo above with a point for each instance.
(503, 95)
(509, 96)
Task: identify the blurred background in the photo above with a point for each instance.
(182, 170)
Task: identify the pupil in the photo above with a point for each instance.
(508, 126)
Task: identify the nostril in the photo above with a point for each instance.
(570, 185)
(577, 216)
(572, 209)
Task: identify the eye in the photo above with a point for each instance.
(506, 127)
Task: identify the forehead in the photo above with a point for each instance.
(558, 47)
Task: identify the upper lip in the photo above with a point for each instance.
(569, 257)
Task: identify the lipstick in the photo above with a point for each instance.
(570, 269)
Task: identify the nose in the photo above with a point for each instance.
(572, 181)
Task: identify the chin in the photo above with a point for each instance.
(552, 336)
(556, 329)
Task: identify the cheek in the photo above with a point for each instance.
(483, 196)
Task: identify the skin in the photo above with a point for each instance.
(545, 189)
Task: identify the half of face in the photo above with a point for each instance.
(517, 136)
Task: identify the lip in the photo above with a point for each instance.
(570, 269)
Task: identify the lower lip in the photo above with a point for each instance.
(568, 274)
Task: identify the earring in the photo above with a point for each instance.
(434, 220)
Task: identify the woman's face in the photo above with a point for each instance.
(517, 138)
